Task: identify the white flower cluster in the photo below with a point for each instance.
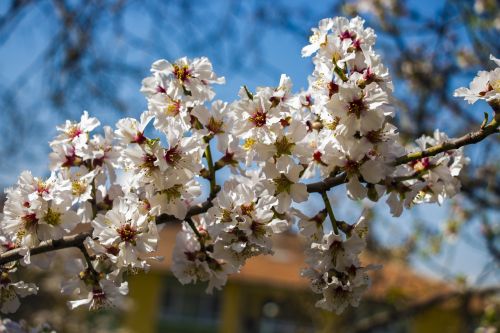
(10, 326)
(485, 86)
(11, 291)
(351, 91)
(335, 270)
(272, 140)
(38, 210)
(239, 226)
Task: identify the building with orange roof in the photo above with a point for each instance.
(270, 296)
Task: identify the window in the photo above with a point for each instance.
(189, 307)
(283, 317)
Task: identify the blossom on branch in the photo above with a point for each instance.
(117, 186)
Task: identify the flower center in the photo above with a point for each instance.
(215, 126)
(173, 193)
(78, 188)
(333, 88)
(148, 161)
(42, 187)
(285, 122)
(183, 73)
(226, 216)
(114, 250)
(374, 136)
(356, 107)
(258, 229)
(173, 156)
(317, 157)
(196, 255)
(320, 82)
(258, 118)
(369, 76)
(127, 233)
(71, 160)
(356, 44)
(249, 143)
(214, 264)
(283, 146)
(314, 38)
(139, 138)
(421, 165)
(73, 131)
(52, 217)
(333, 125)
(247, 209)
(282, 184)
(347, 35)
(29, 221)
(173, 107)
(351, 166)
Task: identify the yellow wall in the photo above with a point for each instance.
(230, 309)
(437, 320)
(145, 291)
(241, 299)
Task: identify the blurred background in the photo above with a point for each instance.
(441, 264)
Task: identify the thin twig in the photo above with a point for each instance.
(197, 232)
(329, 209)
(211, 170)
(90, 266)
(386, 318)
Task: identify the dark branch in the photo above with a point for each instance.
(467, 139)
(385, 319)
(78, 239)
(46, 246)
(327, 183)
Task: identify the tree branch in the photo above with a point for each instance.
(327, 183)
(467, 139)
(386, 318)
(46, 246)
(78, 239)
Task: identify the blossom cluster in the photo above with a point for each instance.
(485, 86)
(119, 187)
(10, 326)
(335, 270)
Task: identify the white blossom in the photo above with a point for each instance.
(486, 86)
(10, 292)
(283, 182)
(125, 233)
